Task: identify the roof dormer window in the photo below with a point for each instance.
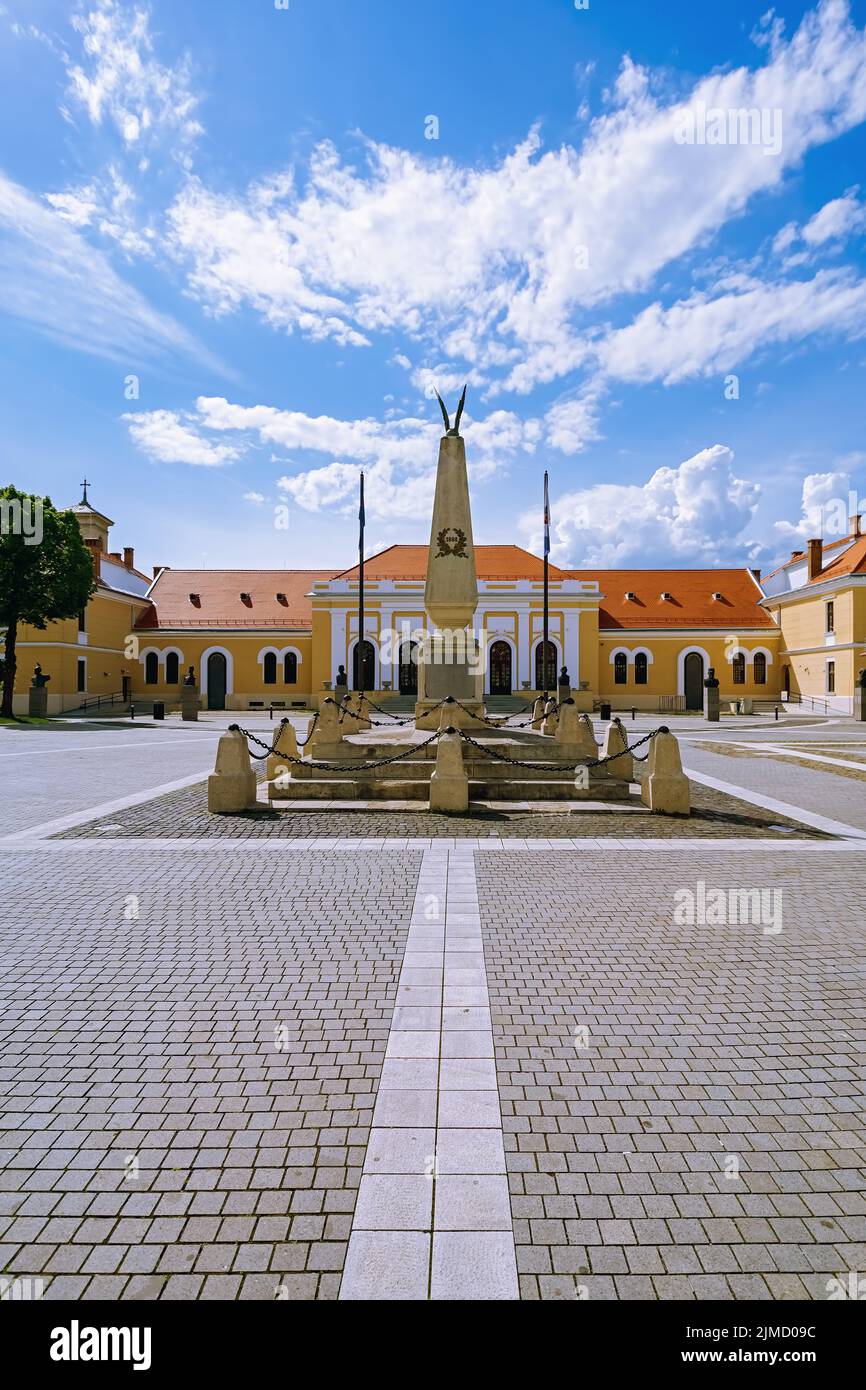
(195, 600)
(665, 596)
(717, 597)
(630, 596)
(281, 598)
(245, 598)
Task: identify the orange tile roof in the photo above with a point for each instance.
(220, 604)
(801, 557)
(851, 561)
(491, 562)
(691, 604)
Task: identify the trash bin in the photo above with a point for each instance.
(158, 709)
(604, 712)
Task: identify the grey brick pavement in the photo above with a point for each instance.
(160, 1136)
(703, 1043)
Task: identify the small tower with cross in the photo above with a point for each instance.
(94, 525)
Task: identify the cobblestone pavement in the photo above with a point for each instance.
(183, 814)
(187, 1091)
(704, 1045)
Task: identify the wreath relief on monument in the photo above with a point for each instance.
(451, 541)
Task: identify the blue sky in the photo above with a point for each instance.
(289, 225)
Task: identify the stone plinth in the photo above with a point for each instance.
(189, 703)
(285, 747)
(621, 769)
(37, 702)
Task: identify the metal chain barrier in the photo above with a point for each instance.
(417, 747)
(333, 767)
(558, 767)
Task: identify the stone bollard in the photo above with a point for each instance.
(615, 741)
(353, 712)
(551, 718)
(232, 786)
(666, 787)
(328, 732)
(285, 746)
(538, 713)
(448, 713)
(449, 784)
(574, 736)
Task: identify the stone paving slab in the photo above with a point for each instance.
(190, 1050)
(704, 1137)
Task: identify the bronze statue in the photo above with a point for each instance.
(455, 432)
(39, 681)
(189, 678)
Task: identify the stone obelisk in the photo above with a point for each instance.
(449, 662)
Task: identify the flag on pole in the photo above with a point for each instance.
(546, 517)
(361, 516)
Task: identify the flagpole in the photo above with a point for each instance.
(360, 649)
(544, 649)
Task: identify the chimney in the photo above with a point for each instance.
(128, 557)
(795, 554)
(856, 525)
(757, 574)
(95, 551)
(816, 558)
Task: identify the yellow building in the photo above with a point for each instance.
(818, 601)
(634, 638)
(90, 657)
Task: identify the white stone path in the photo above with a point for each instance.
(433, 1217)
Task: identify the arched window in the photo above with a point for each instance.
(171, 669)
(640, 669)
(545, 679)
(151, 669)
(620, 669)
(290, 668)
(759, 669)
(739, 668)
(369, 667)
(270, 668)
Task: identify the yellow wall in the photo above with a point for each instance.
(663, 670)
(109, 623)
(806, 649)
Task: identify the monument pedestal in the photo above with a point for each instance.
(37, 707)
(189, 703)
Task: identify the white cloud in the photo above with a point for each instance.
(487, 262)
(53, 280)
(836, 220)
(121, 80)
(820, 492)
(703, 334)
(167, 436)
(398, 455)
(108, 205)
(693, 514)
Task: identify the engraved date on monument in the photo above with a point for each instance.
(451, 541)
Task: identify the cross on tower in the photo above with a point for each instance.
(84, 502)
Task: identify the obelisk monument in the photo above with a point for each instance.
(449, 662)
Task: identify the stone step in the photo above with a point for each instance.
(477, 768)
(382, 789)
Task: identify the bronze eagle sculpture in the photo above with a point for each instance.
(448, 430)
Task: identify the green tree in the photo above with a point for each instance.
(46, 572)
